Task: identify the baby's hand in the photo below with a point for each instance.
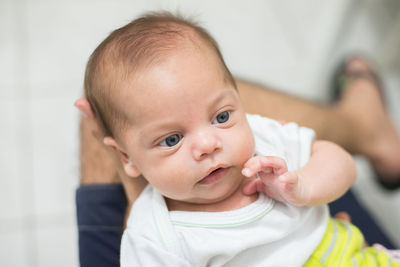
(273, 179)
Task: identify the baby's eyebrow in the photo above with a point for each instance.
(221, 96)
(153, 131)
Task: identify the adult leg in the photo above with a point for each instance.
(363, 101)
(358, 121)
(278, 105)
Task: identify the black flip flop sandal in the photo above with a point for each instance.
(341, 80)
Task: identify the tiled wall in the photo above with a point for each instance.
(44, 45)
(39, 79)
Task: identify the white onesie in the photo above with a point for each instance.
(264, 233)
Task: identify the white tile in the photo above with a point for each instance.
(278, 43)
(13, 249)
(10, 182)
(57, 243)
(63, 34)
(10, 30)
(250, 50)
(23, 136)
(55, 154)
(59, 50)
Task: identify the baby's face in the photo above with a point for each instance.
(189, 136)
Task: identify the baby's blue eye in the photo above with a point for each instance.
(171, 140)
(222, 117)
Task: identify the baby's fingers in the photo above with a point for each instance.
(273, 165)
(268, 165)
(255, 185)
(250, 188)
(252, 166)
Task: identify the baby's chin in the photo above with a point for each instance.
(229, 199)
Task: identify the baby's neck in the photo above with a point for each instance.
(235, 201)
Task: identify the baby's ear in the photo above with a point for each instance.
(129, 167)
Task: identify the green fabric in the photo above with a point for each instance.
(343, 245)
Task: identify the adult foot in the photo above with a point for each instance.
(362, 101)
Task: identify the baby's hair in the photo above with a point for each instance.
(139, 44)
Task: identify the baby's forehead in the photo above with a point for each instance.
(143, 78)
(146, 100)
(162, 58)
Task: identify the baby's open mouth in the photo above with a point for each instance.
(214, 176)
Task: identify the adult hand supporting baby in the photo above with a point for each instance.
(105, 167)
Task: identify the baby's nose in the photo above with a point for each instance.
(205, 144)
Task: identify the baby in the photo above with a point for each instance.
(169, 106)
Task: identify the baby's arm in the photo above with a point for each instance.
(328, 174)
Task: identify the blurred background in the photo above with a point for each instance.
(44, 46)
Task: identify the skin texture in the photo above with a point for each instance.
(185, 97)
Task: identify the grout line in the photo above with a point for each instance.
(54, 220)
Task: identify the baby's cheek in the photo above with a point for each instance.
(164, 175)
(170, 184)
(246, 146)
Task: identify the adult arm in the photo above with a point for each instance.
(101, 199)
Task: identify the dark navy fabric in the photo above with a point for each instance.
(361, 218)
(100, 214)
